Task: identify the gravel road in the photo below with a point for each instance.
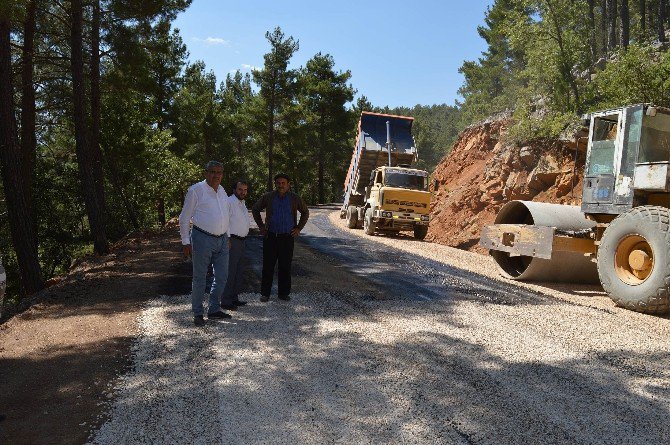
(444, 353)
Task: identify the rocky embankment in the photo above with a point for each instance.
(482, 172)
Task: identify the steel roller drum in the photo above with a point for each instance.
(563, 266)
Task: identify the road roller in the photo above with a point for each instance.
(620, 236)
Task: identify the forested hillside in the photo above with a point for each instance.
(550, 60)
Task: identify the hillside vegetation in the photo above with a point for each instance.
(551, 60)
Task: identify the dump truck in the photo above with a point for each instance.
(620, 236)
(382, 193)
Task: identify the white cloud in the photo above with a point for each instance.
(245, 67)
(216, 41)
(213, 41)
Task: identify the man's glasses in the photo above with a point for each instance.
(214, 172)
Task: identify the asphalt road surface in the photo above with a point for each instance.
(382, 345)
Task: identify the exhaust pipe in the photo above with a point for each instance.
(388, 140)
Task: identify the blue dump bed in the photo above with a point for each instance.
(370, 151)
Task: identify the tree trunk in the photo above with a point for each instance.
(603, 27)
(611, 25)
(271, 137)
(565, 67)
(643, 21)
(661, 21)
(118, 187)
(90, 169)
(28, 127)
(625, 24)
(160, 207)
(322, 150)
(592, 32)
(96, 151)
(160, 116)
(19, 215)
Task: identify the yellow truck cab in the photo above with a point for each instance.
(397, 199)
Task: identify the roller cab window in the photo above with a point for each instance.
(655, 138)
(603, 145)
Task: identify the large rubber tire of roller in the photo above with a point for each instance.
(369, 225)
(634, 260)
(420, 232)
(352, 217)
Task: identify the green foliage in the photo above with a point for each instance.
(491, 84)
(555, 49)
(275, 101)
(541, 58)
(532, 125)
(639, 74)
(323, 95)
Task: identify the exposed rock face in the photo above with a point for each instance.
(482, 173)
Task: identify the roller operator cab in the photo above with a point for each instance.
(620, 236)
(382, 193)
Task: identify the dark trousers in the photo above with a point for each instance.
(277, 249)
(236, 268)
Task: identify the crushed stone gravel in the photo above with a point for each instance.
(319, 369)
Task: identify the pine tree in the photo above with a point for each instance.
(21, 225)
(277, 89)
(324, 94)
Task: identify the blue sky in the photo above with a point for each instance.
(399, 53)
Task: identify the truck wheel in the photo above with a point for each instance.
(352, 217)
(368, 223)
(634, 260)
(420, 232)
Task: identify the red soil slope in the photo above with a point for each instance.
(483, 172)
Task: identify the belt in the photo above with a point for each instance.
(207, 233)
(241, 238)
(279, 234)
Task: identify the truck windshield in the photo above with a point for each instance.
(404, 180)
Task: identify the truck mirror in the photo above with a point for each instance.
(436, 185)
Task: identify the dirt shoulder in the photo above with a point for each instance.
(60, 358)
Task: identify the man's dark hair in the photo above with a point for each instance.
(239, 181)
(282, 175)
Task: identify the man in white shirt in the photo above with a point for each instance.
(206, 206)
(239, 229)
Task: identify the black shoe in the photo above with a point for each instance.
(198, 320)
(239, 303)
(218, 315)
(265, 298)
(284, 297)
(229, 307)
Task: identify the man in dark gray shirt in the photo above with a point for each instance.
(280, 228)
